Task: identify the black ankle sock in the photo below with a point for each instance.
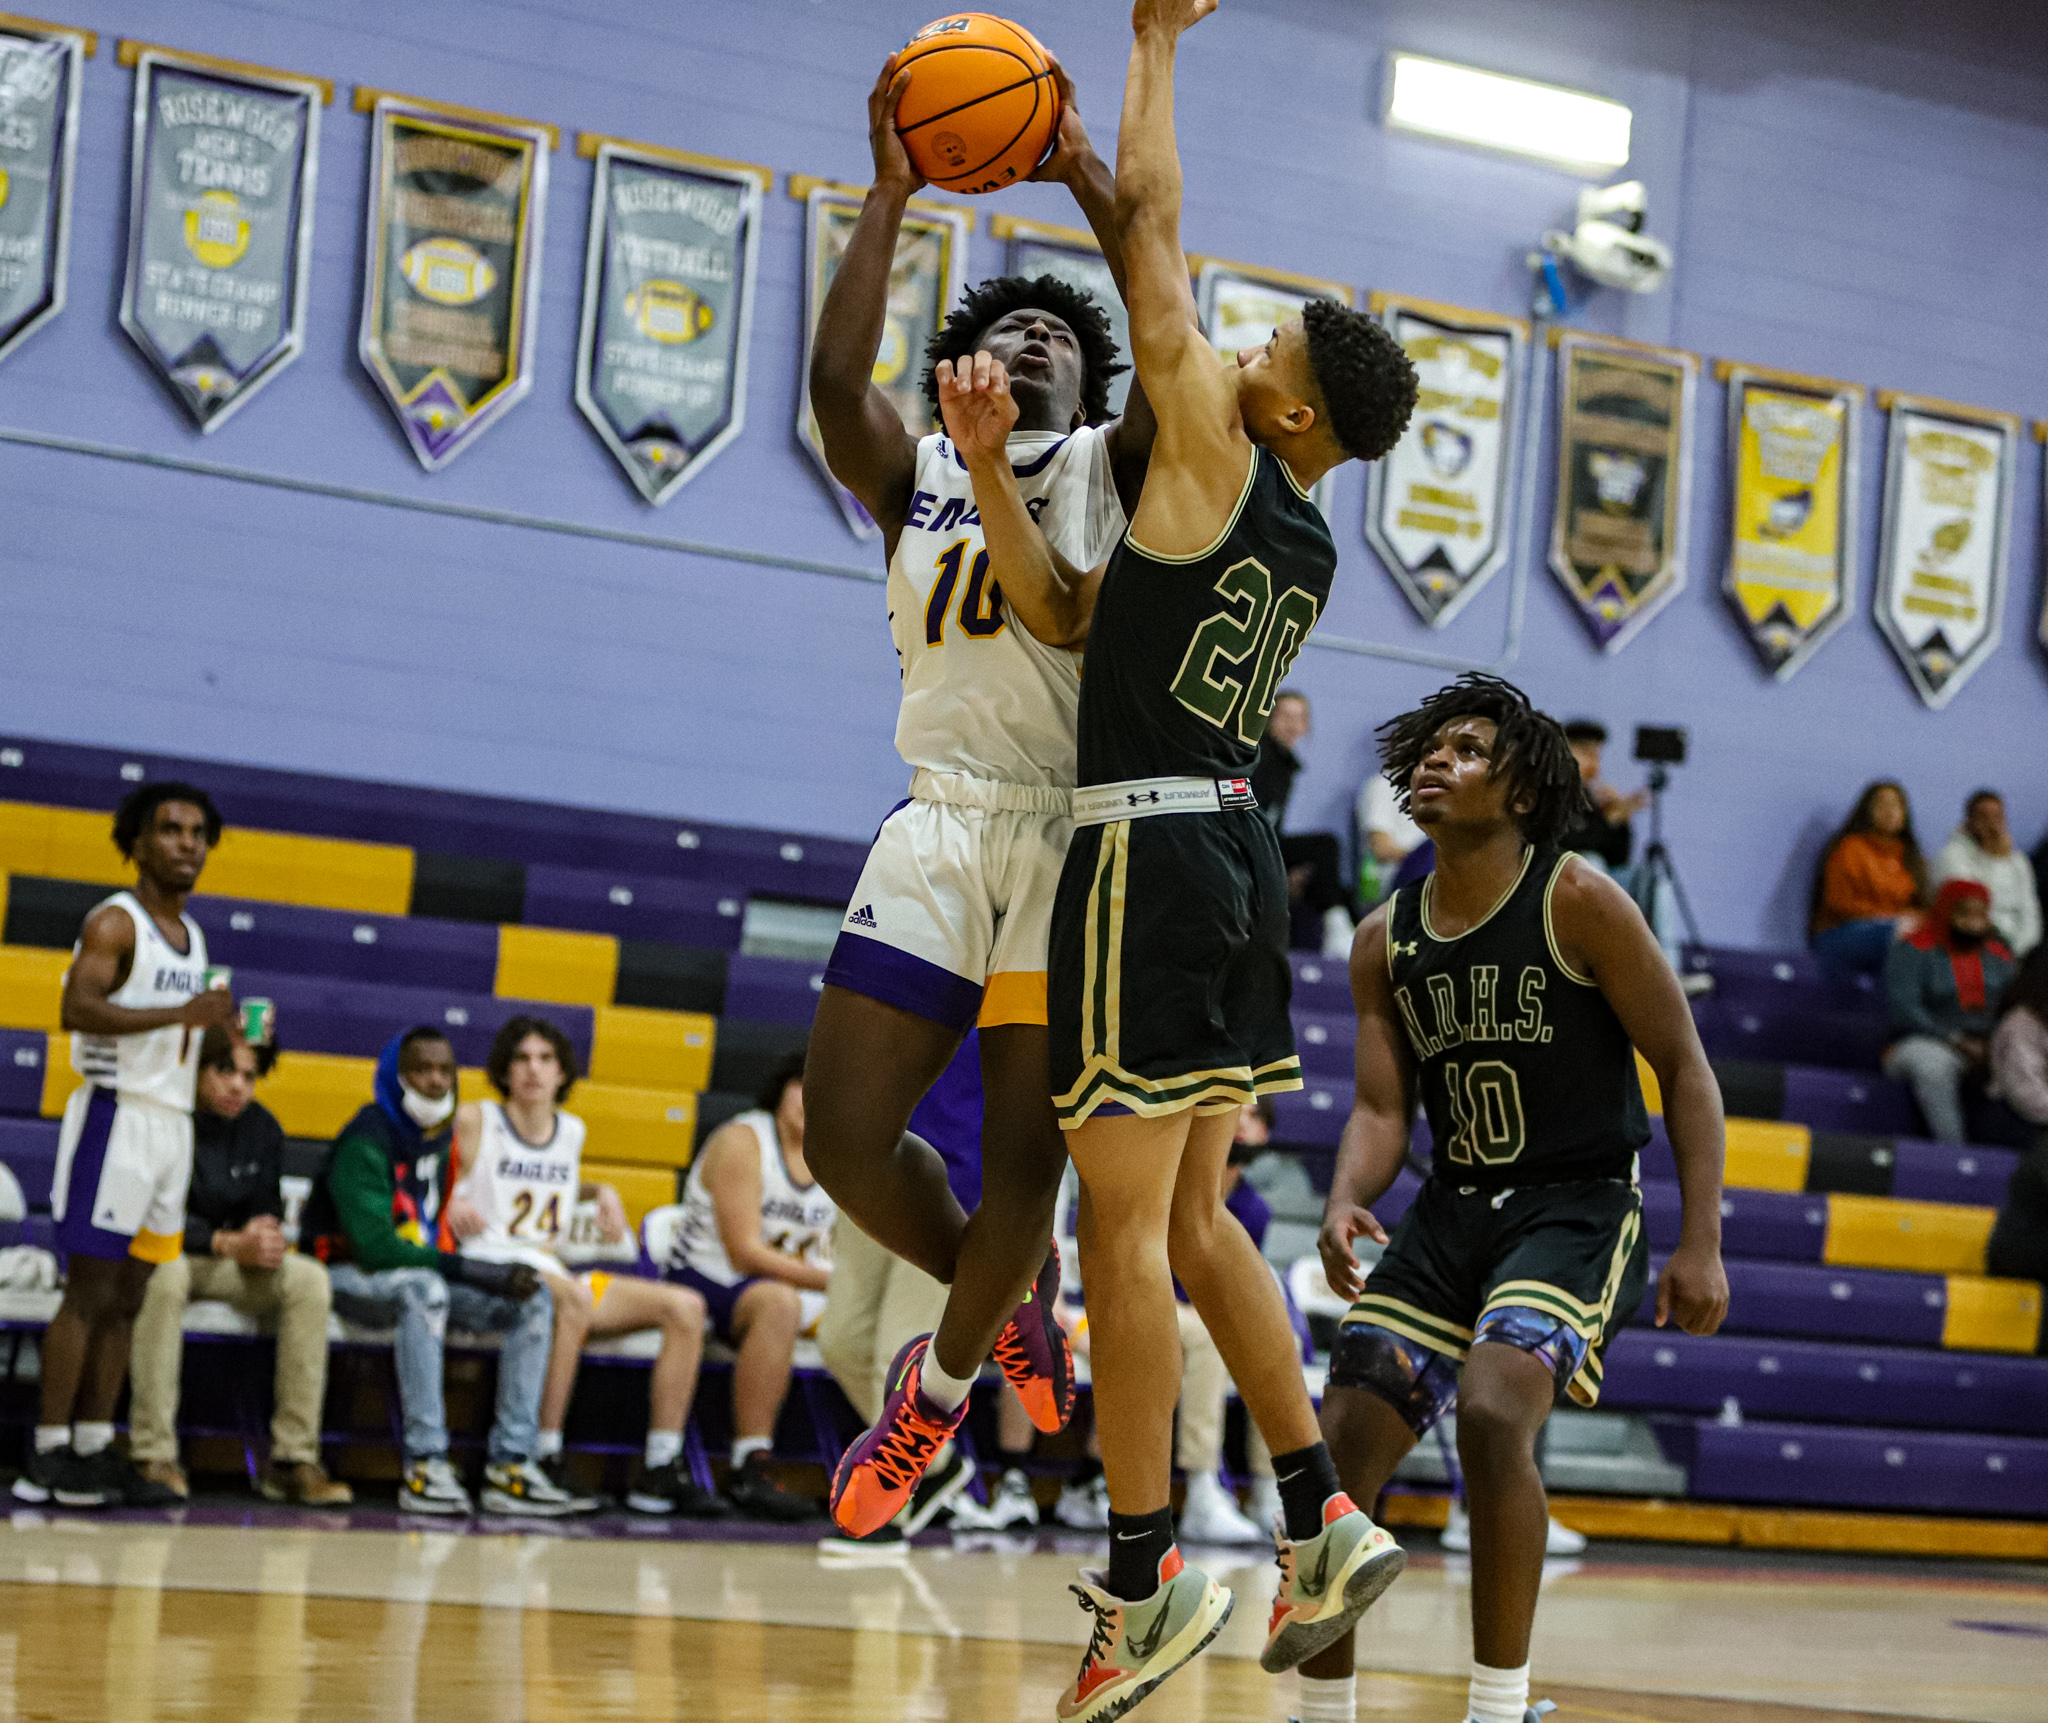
(1138, 1543)
(1307, 1479)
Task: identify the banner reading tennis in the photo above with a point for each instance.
(39, 81)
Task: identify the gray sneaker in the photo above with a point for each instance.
(430, 1486)
(521, 1487)
(1135, 1646)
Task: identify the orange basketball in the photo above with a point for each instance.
(980, 108)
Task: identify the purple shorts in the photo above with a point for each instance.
(722, 1301)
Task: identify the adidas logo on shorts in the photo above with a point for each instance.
(862, 917)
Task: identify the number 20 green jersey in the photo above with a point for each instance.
(1185, 653)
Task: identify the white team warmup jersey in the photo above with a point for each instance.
(795, 1219)
(981, 695)
(526, 1193)
(160, 1066)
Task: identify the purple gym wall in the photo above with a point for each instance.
(1859, 194)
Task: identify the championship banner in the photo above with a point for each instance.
(221, 169)
(1240, 305)
(1439, 510)
(1792, 448)
(40, 73)
(451, 265)
(1070, 254)
(668, 299)
(931, 255)
(1941, 562)
(1624, 480)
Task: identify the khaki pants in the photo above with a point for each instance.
(876, 1301)
(294, 1295)
(1204, 1383)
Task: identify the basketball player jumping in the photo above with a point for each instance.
(947, 928)
(1510, 989)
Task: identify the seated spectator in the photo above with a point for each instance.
(1942, 984)
(515, 1178)
(236, 1252)
(1314, 860)
(1869, 884)
(1602, 832)
(1981, 848)
(372, 1219)
(755, 1239)
(1386, 838)
(2019, 1057)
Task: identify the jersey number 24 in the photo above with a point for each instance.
(1238, 656)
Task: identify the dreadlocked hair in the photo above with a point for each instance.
(1366, 379)
(1529, 751)
(997, 297)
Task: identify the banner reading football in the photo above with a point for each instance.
(924, 280)
(1941, 568)
(1069, 255)
(39, 83)
(668, 292)
(1438, 508)
(220, 224)
(452, 267)
(1792, 537)
(1624, 480)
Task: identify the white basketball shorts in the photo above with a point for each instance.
(123, 1167)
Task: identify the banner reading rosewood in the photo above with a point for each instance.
(39, 81)
(220, 223)
(452, 266)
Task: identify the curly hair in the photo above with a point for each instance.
(1863, 818)
(997, 297)
(137, 812)
(505, 1047)
(1529, 751)
(1366, 379)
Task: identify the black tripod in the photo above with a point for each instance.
(1658, 867)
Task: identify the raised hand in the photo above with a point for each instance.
(1333, 1244)
(1171, 15)
(1070, 145)
(892, 161)
(975, 402)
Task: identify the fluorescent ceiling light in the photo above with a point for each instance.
(1443, 100)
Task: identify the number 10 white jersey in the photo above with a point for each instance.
(981, 695)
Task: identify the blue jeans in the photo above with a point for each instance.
(1855, 948)
(422, 1305)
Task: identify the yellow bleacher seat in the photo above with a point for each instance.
(31, 986)
(1891, 1232)
(652, 1049)
(58, 1077)
(1653, 1095)
(651, 1127)
(1766, 1155)
(315, 1094)
(1991, 1315)
(61, 843)
(639, 1188)
(547, 963)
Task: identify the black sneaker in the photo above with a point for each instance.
(556, 1466)
(58, 1475)
(670, 1489)
(938, 1488)
(753, 1490)
(122, 1484)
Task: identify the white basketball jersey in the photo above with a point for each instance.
(795, 1219)
(526, 1194)
(981, 695)
(158, 1065)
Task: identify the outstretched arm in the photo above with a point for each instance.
(1602, 934)
(869, 451)
(1052, 599)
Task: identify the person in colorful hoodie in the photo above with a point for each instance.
(1942, 985)
(371, 1219)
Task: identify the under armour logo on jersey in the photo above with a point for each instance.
(1401, 950)
(1137, 796)
(862, 917)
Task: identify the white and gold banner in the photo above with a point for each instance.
(924, 280)
(1439, 508)
(1793, 456)
(41, 68)
(1942, 563)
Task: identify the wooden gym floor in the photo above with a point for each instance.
(305, 1619)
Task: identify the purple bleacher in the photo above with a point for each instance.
(1667, 1370)
(1320, 983)
(317, 1014)
(1399, 1198)
(38, 1230)
(636, 906)
(1789, 1026)
(1327, 1042)
(393, 950)
(773, 989)
(1656, 1161)
(1756, 974)
(1862, 1102)
(1312, 1116)
(1812, 1464)
(1817, 1303)
(22, 1055)
(1772, 1226)
(1950, 1173)
(29, 1147)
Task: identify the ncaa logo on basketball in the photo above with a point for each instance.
(945, 27)
(448, 271)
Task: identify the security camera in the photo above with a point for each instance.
(1609, 245)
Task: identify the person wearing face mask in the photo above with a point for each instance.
(1942, 986)
(372, 1219)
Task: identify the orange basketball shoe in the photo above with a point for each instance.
(878, 1474)
(1033, 1351)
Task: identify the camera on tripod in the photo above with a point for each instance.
(1660, 746)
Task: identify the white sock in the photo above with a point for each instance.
(662, 1447)
(1498, 1695)
(745, 1448)
(50, 1437)
(90, 1439)
(944, 1391)
(1334, 1701)
(547, 1445)
(1198, 1481)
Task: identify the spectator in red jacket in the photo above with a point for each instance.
(1870, 883)
(1942, 986)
